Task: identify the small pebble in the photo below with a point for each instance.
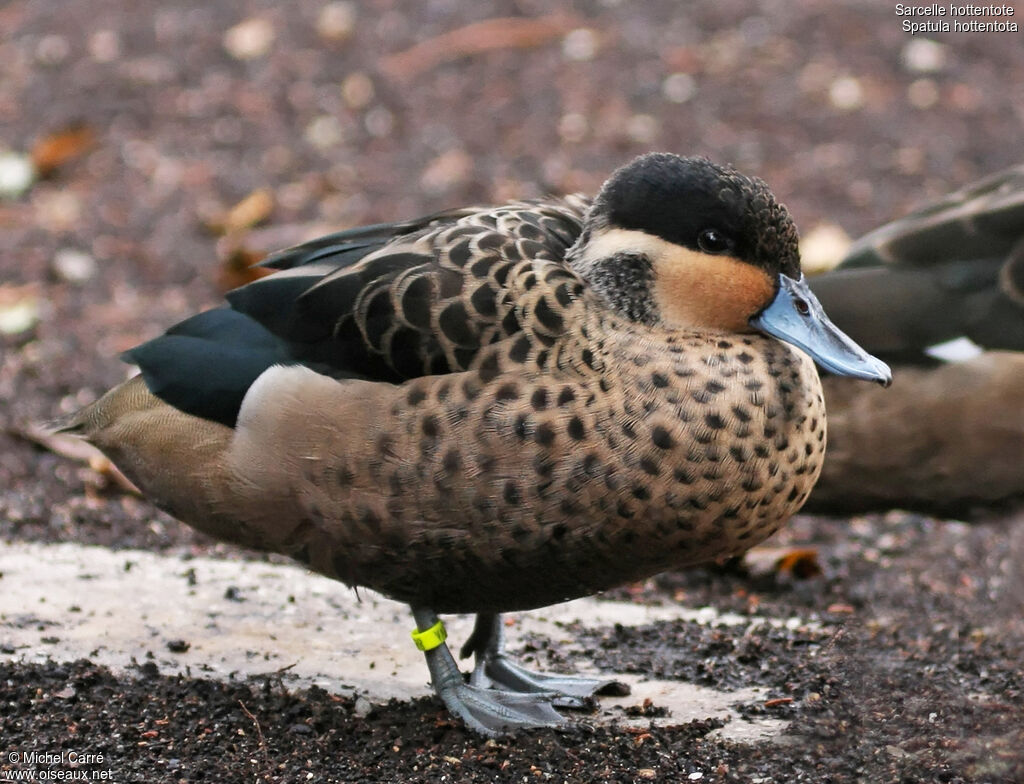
(178, 646)
(324, 132)
(447, 171)
(336, 21)
(362, 708)
(57, 210)
(815, 77)
(232, 594)
(580, 45)
(921, 55)
(846, 94)
(910, 160)
(643, 128)
(105, 46)
(249, 39)
(379, 122)
(18, 313)
(16, 174)
(923, 94)
(679, 87)
(573, 127)
(357, 90)
(52, 49)
(73, 266)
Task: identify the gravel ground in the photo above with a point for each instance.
(150, 121)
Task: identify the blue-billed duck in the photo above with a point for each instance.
(496, 409)
(948, 438)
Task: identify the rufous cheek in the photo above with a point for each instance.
(694, 289)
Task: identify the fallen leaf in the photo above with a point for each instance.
(238, 264)
(76, 449)
(844, 609)
(240, 251)
(250, 211)
(253, 209)
(799, 564)
(486, 36)
(802, 564)
(64, 145)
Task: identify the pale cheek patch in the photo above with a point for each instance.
(698, 290)
(690, 289)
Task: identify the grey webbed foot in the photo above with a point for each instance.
(495, 670)
(485, 710)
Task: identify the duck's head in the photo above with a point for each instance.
(687, 244)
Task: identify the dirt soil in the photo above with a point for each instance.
(183, 110)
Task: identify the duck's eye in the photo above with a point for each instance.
(713, 241)
(801, 306)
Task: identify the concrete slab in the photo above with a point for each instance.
(242, 618)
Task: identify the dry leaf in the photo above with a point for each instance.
(253, 209)
(238, 253)
(58, 148)
(801, 564)
(76, 449)
(841, 609)
(238, 262)
(486, 36)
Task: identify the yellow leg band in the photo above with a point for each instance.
(431, 638)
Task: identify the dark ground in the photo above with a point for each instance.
(923, 682)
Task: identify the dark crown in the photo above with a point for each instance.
(677, 198)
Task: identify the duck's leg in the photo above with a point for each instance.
(486, 710)
(495, 670)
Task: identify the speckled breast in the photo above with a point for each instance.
(523, 489)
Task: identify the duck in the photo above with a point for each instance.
(949, 270)
(494, 409)
(939, 294)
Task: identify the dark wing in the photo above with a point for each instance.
(387, 302)
(952, 269)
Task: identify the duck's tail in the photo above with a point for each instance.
(89, 420)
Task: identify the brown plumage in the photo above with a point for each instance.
(945, 440)
(948, 438)
(952, 269)
(493, 410)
